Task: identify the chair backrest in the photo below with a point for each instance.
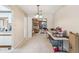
(73, 42)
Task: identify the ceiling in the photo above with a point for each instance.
(3, 8)
(46, 9)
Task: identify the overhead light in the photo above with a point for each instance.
(37, 16)
(39, 13)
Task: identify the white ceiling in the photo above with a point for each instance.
(3, 8)
(46, 9)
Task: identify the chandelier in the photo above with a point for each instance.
(39, 13)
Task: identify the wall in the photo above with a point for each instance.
(49, 20)
(25, 27)
(29, 26)
(68, 18)
(18, 25)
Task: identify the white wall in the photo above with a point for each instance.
(50, 21)
(30, 26)
(25, 27)
(68, 18)
(18, 25)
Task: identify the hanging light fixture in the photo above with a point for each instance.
(39, 13)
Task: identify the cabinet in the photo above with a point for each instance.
(35, 25)
(73, 42)
(5, 39)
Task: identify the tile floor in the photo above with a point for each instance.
(37, 44)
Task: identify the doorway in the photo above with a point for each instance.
(43, 25)
(39, 25)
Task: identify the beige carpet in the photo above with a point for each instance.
(37, 44)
